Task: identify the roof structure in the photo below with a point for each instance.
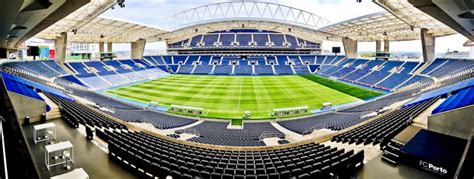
(402, 21)
(244, 10)
(103, 29)
(21, 20)
(84, 25)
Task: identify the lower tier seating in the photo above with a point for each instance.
(382, 130)
(75, 114)
(150, 157)
(211, 132)
(334, 121)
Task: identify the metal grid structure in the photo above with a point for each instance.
(402, 22)
(244, 10)
(84, 25)
(111, 30)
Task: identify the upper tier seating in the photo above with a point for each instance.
(217, 133)
(152, 157)
(244, 39)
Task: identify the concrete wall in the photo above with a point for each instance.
(26, 106)
(458, 123)
(378, 46)
(386, 46)
(138, 48)
(101, 47)
(60, 45)
(350, 47)
(427, 45)
(109, 47)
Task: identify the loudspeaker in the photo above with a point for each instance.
(33, 51)
(336, 49)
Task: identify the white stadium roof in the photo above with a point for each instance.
(91, 28)
(107, 30)
(385, 25)
(401, 22)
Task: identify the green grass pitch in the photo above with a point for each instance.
(231, 96)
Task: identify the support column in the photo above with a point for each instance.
(138, 48)
(386, 46)
(101, 47)
(60, 46)
(378, 46)
(350, 47)
(427, 45)
(109, 47)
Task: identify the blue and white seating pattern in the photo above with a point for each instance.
(252, 65)
(248, 38)
(391, 75)
(100, 75)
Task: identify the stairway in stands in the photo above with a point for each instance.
(391, 152)
(54, 112)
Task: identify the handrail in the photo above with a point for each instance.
(2, 120)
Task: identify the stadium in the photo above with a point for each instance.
(236, 89)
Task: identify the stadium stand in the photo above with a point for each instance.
(391, 75)
(244, 38)
(100, 75)
(75, 114)
(22, 89)
(441, 91)
(159, 120)
(132, 113)
(217, 133)
(315, 114)
(252, 65)
(334, 121)
(382, 130)
(149, 156)
(463, 98)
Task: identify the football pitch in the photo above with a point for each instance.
(230, 96)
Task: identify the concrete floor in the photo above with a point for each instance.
(88, 156)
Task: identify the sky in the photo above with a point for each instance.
(153, 12)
